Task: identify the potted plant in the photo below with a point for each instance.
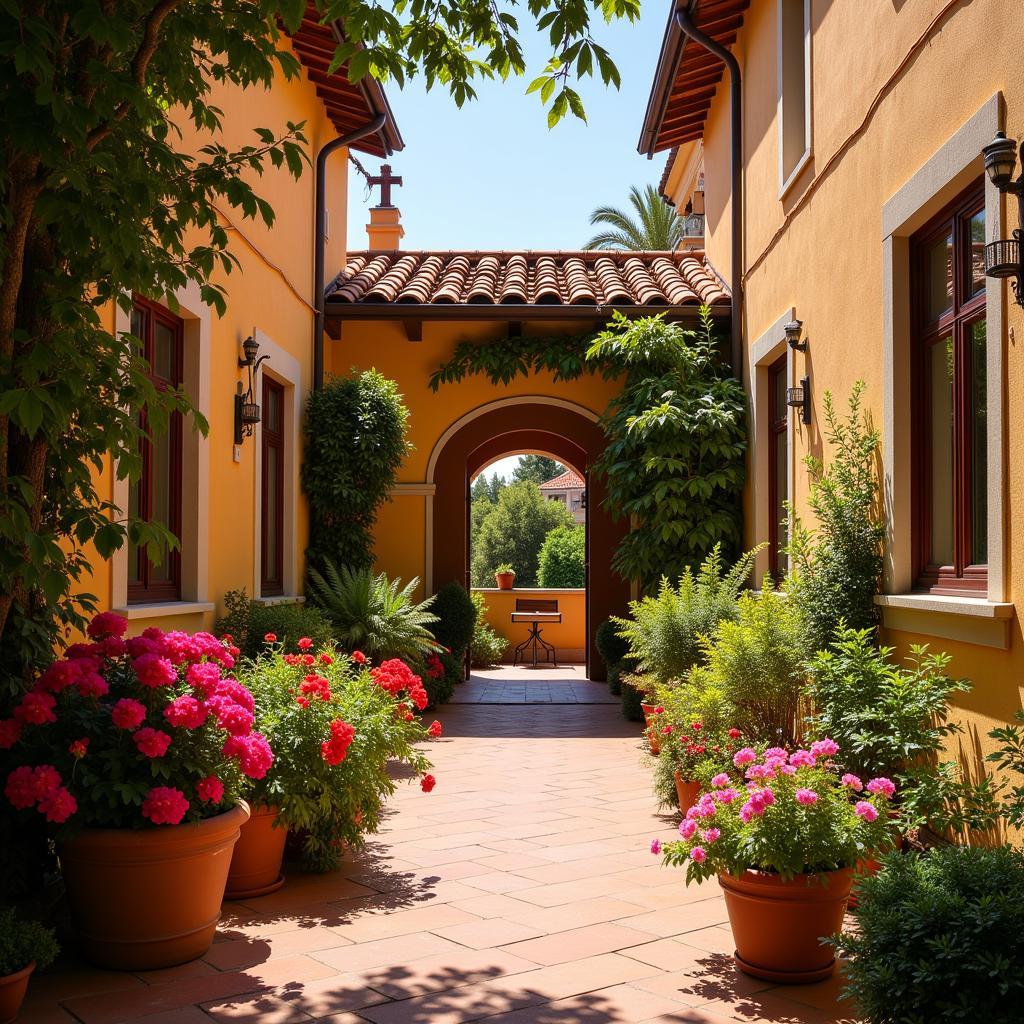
(24, 946)
(334, 723)
(783, 831)
(505, 576)
(135, 750)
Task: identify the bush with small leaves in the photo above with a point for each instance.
(247, 622)
(488, 646)
(23, 943)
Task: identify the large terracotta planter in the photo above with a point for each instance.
(651, 724)
(505, 580)
(777, 925)
(687, 792)
(147, 898)
(257, 857)
(12, 993)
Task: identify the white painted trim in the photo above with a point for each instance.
(939, 180)
(195, 461)
(164, 609)
(284, 368)
(966, 620)
(786, 180)
(947, 605)
(763, 352)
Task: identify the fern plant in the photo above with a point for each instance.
(373, 614)
(664, 631)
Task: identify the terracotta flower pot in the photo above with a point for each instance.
(147, 898)
(777, 924)
(651, 724)
(257, 857)
(505, 580)
(12, 992)
(687, 792)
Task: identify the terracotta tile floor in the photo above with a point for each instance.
(521, 891)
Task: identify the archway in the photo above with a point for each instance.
(569, 433)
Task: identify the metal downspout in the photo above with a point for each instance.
(686, 25)
(320, 242)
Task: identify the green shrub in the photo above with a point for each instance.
(373, 614)
(456, 618)
(563, 558)
(355, 442)
(836, 567)
(488, 645)
(248, 622)
(439, 672)
(613, 650)
(632, 698)
(24, 942)
(939, 939)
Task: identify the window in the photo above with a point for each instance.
(272, 541)
(794, 111)
(778, 469)
(156, 496)
(949, 402)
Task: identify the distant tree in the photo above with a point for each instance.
(538, 468)
(563, 558)
(513, 531)
(487, 487)
(652, 224)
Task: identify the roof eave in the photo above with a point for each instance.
(664, 76)
(451, 311)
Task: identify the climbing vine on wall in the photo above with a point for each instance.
(676, 434)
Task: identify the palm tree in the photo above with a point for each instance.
(655, 225)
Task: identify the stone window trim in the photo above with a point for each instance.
(790, 170)
(944, 176)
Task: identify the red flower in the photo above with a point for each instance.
(154, 671)
(10, 732)
(326, 659)
(21, 790)
(290, 659)
(696, 726)
(335, 750)
(427, 783)
(210, 790)
(60, 675)
(358, 657)
(185, 712)
(151, 742)
(128, 713)
(304, 643)
(735, 734)
(164, 805)
(231, 717)
(91, 684)
(307, 659)
(107, 624)
(666, 730)
(316, 686)
(227, 638)
(270, 638)
(303, 702)
(58, 805)
(79, 748)
(36, 709)
(435, 729)
(203, 677)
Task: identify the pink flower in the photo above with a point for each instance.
(204, 677)
(880, 786)
(36, 709)
(853, 782)
(304, 643)
(21, 790)
(253, 753)
(58, 805)
(234, 690)
(802, 759)
(128, 713)
(60, 675)
(824, 748)
(210, 790)
(655, 846)
(231, 717)
(164, 805)
(698, 854)
(139, 645)
(687, 828)
(10, 732)
(711, 835)
(865, 810)
(107, 624)
(92, 684)
(787, 769)
(807, 797)
(746, 813)
(726, 796)
(721, 779)
(776, 752)
(185, 712)
(744, 756)
(760, 771)
(151, 742)
(154, 671)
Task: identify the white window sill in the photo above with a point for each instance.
(787, 186)
(163, 609)
(971, 620)
(280, 599)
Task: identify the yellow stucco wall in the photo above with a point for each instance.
(568, 636)
(876, 124)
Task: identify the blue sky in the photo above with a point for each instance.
(492, 176)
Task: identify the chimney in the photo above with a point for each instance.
(385, 229)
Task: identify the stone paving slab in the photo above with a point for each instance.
(521, 891)
(523, 684)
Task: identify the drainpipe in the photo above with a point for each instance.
(319, 254)
(686, 25)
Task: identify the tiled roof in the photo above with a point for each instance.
(528, 278)
(570, 478)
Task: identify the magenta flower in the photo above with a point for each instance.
(824, 748)
(882, 786)
(865, 810)
(687, 828)
(721, 779)
(802, 759)
(711, 835)
(807, 797)
(744, 756)
(655, 846)
(853, 782)
(698, 854)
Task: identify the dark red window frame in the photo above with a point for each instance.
(776, 425)
(143, 588)
(964, 575)
(272, 555)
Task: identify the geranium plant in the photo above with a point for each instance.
(785, 813)
(127, 733)
(334, 723)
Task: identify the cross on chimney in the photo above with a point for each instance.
(385, 179)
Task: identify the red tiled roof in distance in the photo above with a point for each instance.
(560, 279)
(570, 478)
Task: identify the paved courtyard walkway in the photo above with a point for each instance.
(520, 891)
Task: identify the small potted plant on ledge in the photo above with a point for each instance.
(24, 946)
(505, 576)
(134, 750)
(783, 831)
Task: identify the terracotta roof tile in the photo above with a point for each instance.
(529, 278)
(570, 478)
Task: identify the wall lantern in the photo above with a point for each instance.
(247, 409)
(1003, 256)
(794, 329)
(800, 398)
(583, 499)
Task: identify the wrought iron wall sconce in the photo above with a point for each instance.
(794, 329)
(800, 398)
(1003, 256)
(247, 409)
